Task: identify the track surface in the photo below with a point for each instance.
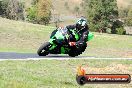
(12, 55)
(33, 56)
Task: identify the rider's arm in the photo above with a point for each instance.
(84, 37)
(71, 27)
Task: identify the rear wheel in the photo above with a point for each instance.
(75, 52)
(44, 49)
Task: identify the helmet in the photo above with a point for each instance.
(81, 23)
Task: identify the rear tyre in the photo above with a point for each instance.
(74, 52)
(44, 49)
(82, 49)
(71, 54)
(77, 52)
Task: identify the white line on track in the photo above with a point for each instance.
(53, 58)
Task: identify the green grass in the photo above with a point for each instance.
(16, 36)
(20, 37)
(24, 37)
(110, 45)
(57, 73)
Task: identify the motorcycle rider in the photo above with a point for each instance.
(82, 29)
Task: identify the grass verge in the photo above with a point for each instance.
(58, 73)
(16, 36)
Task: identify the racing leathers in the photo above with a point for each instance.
(83, 35)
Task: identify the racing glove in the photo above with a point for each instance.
(72, 43)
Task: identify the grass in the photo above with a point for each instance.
(16, 36)
(58, 73)
(110, 46)
(21, 37)
(25, 37)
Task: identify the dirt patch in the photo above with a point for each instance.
(111, 69)
(123, 3)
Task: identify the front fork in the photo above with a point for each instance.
(53, 46)
(60, 49)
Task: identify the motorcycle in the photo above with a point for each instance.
(59, 43)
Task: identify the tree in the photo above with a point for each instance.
(4, 5)
(128, 20)
(32, 14)
(1, 9)
(44, 11)
(40, 12)
(14, 10)
(125, 14)
(100, 13)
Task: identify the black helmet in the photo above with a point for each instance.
(81, 23)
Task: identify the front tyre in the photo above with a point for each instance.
(44, 49)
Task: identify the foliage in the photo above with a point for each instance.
(34, 2)
(108, 30)
(40, 12)
(32, 13)
(128, 21)
(43, 11)
(126, 15)
(121, 31)
(3, 6)
(12, 9)
(1, 10)
(115, 25)
(101, 14)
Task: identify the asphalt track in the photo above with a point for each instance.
(33, 56)
(25, 56)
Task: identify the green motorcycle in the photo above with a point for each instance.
(59, 43)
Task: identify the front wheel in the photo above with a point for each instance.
(44, 49)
